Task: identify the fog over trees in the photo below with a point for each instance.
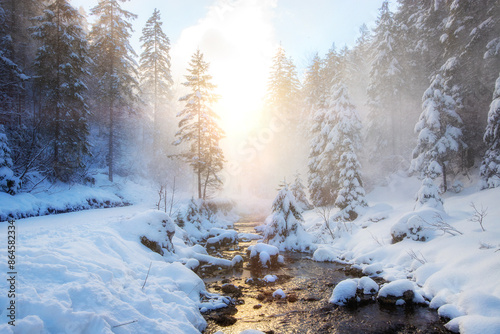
(416, 94)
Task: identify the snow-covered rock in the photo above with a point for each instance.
(263, 255)
(399, 292)
(270, 278)
(344, 293)
(279, 294)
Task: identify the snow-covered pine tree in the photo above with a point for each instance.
(468, 30)
(8, 182)
(345, 138)
(312, 91)
(285, 229)
(358, 67)
(322, 161)
(156, 77)
(318, 190)
(384, 88)
(439, 133)
(198, 126)
(283, 87)
(11, 75)
(490, 167)
(61, 64)
(115, 69)
(428, 195)
(298, 191)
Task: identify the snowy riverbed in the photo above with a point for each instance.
(459, 274)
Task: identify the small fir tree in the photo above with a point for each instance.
(298, 191)
(428, 195)
(490, 167)
(285, 229)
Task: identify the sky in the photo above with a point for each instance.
(240, 37)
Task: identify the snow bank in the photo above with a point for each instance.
(456, 273)
(85, 272)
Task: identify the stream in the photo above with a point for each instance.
(308, 285)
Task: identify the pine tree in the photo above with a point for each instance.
(319, 190)
(8, 182)
(283, 87)
(490, 167)
(198, 127)
(312, 90)
(345, 137)
(322, 156)
(298, 191)
(156, 78)
(468, 29)
(60, 66)
(285, 229)
(11, 75)
(384, 89)
(439, 133)
(115, 68)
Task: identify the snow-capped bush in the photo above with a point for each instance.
(285, 230)
(415, 226)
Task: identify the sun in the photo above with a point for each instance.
(239, 107)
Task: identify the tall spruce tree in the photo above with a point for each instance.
(490, 167)
(61, 64)
(384, 92)
(156, 77)
(345, 137)
(115, 68)
(439, 132)
(11, 74)
(322, 186)
(198, 127)
(283, 87)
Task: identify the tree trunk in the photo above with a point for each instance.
(111, 141)
(445, 185)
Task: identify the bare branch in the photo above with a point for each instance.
(478, 215)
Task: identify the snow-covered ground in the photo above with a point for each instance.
(459, 274)
(85, 272)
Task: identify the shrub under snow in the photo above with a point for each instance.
(285, 228)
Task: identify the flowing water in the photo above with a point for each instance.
(308, 286)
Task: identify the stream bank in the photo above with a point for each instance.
(307, 286)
